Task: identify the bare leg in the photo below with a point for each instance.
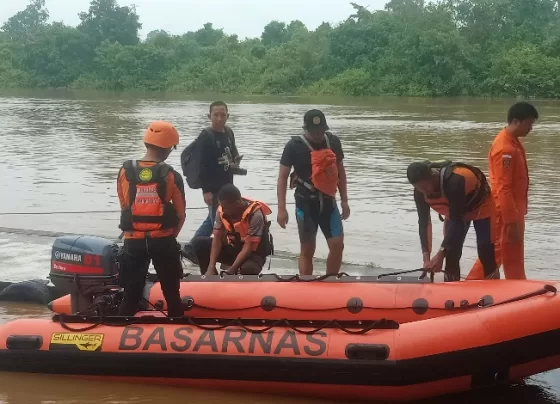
(306, 258)
(334, 260)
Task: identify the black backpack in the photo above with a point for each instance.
(191, 158)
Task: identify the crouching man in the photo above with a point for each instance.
(241, 236)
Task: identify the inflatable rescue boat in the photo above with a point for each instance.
(344, 337)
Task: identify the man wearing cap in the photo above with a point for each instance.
(152, 198)
(317, 159)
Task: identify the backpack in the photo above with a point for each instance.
(324, 169)
(191, 158)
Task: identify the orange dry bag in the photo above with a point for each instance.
(324, 168)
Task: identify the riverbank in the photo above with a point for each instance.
(407, 49)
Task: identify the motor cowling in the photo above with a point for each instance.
(84, 267)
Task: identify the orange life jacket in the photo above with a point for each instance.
(324, 169)
(148, 210)
(237, 231)
(479, 202)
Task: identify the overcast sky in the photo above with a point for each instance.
(245, 18)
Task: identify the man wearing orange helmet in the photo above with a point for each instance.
(152, 198)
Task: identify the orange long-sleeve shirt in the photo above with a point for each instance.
(509, 176)
(175, 192)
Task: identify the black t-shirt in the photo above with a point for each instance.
(297, 155)
(219, 151)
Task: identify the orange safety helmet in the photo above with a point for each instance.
(161, 134)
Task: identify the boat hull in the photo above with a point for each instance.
(388, 362)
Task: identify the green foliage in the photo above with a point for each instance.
(26, 22)
(105, 20)
(411, 47)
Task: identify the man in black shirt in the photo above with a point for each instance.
(220, 160)
(318, 171)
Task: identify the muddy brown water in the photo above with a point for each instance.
(61, 152)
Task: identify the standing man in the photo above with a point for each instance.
(317, 158)
(152, 198)
(509, 179)
(219, 161)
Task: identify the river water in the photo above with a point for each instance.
(62, 151)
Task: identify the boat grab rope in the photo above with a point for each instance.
(295, 325)
(297, 277)
(281, 278)
(464, 304)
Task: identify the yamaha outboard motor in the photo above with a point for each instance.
(86, 267)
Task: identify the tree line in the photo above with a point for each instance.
(411, 47)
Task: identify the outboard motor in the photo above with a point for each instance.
(86, 267)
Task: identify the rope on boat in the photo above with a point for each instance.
(297, 277)
(481, 303)
(365, 326)
(295, 325)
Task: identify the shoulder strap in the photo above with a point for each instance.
(130, 174)
(229, 133)
(162, 171)
(129, 167)
(302, 137)
(327, 139)
(226, 220)
(442, 173)
(252, 208)
(210, 132)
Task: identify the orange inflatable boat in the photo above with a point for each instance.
(342, 337)
(368, 359)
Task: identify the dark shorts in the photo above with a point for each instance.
(310, 217)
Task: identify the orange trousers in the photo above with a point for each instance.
(510, 255)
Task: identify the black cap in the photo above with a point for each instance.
(315, 119)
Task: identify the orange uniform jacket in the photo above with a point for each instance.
(509, 180)
(175, 192)
(509, 177)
